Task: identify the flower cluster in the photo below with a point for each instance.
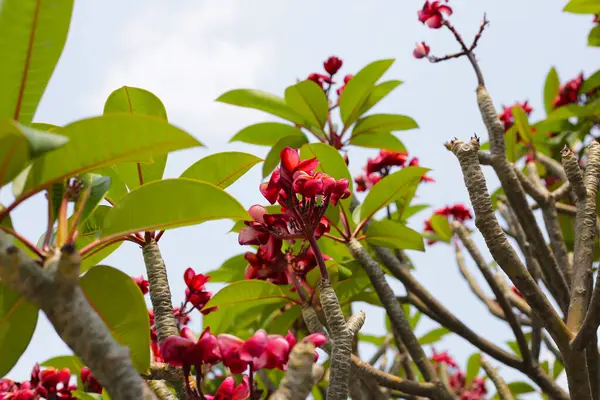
(380, 166)
(49, 383)
(568, 93)
(261, 351)
(303, 195)
(228, 391)
(432, 13)
(196, 293)
(332, 65)
(457, 380)
(457, 212)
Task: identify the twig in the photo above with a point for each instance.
(73, 318)
(504, 392)
(161, 389)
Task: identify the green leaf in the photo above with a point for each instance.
(591, 83)
(376, 340)
(72, 362)
(182, 202)
(98, 186)
(259, 100)
(383, 123)
(308, 99)
(283, 320)
(273, 158)
(7, 221)
(393, 187)
(20, 144)
(394, 234)
(237, 299)
(232, 270)
(133, 100)
(520, 387)
(330, 160)
(583, 7)
(90, 231)
(81, 395)
(103, 141)
(473, 367)
(221, 169)
(433, 336)
(441, 226)
(413, 210)
(514, 347)
(118, 188)
(378, 140)
(32, 37)
(557, 369)
(380, 91)
(313, 277)
(522, 124)
(108, 290)
(18, 320)
(594, 36)
(359, 88)
(551, 89)
(265, 133)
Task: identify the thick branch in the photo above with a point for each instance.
(161, 390)
(73, 318)
(298, 380)
(586, 190)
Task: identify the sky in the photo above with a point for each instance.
(191, 51)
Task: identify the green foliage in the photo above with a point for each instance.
(551, 89)
(32, 37)
(391, 188)
(377, 94)
(18, 319)
(98, 142)
(237, 302)
(90, 231)
(308, 99)
(266, 133)
(583, 7)
(19, 145)
(473, 367)
(394, 235)
(356, 93)
(182, 202)
(433, 336)
(594, 37)
(441, 227)
(107, 291)
(522, 124)
(378, 140)
(221, 169)
(383, 123)
(273, 157)
(232, 270)
(257, 99)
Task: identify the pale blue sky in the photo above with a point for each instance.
(189, 52)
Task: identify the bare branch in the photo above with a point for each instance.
(73, 317)
(298, 380)
(503, 390)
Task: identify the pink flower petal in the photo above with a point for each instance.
(256, 212)
(289, 159)
(317, 339)
(255, 346)
(242, 391)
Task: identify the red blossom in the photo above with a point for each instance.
(432, 14)
(385, 160)
(195, 292)
(457, 212)
(445, 358)
(185, 350)
(506, 116)
(228, 391)
(568, 93)
(365, 182)
(421, 50)
(141, 282)
(90, 383)
(332, 65)
(319, 79)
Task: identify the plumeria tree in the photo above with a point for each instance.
(320, 244)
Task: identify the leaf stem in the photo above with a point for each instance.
(318, 256)
(23, 240)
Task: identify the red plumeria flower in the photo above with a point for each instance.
(385, 160)
(265, 351)
(421, 50)
(506, 116)
(445, 358)
(141, 282)
(457, 381)
(268, 263)
(185, 350)
(230, 347)
(332, 65)
(195, 292)
(319, 79)
(365, 182)
(90, 383)
(432, 14)
(458, 212)
(54, 383)
(228, 390)
(568, 93)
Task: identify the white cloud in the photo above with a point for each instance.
(188, 58)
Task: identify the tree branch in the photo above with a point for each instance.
(504, 392)
(298, 380)
(54, 292)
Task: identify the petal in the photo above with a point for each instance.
(291, 339)
(289, 159)
(312, 187)
(242, 392)
(279, 348)
(188, 275)
(249, 235)
(188, 334)
(255, 346)
(308, 166)
(173, 349)
(445, 9)
(317, 339)
(435, 21)
(226, 388)
(229, 343)
(256, 212)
